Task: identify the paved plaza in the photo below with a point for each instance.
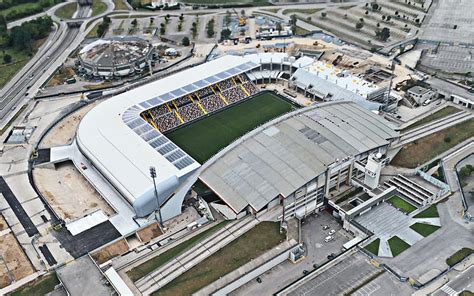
(385, 221)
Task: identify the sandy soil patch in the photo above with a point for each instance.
(3, 223)
(68, 192)
(110, 251)
(150, 232)
(14, 263)
(63, 133)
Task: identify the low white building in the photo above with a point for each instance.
(420, 94)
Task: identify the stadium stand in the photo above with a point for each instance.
(212, 98)
(212, 103)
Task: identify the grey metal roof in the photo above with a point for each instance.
(288, 152)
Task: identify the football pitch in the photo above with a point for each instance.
(204, 138)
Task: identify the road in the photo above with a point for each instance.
(22, 86)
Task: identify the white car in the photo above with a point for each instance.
(328, 238)
(332, 231)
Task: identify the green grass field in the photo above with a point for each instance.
(431, 212)
(401, 204)
(424, 229)
(206, 137)
(459, 256)
(397, 245)
(373, 247)
(39, 287)
(263, 237)
(152, 264)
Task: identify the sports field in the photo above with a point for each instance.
(206, 137)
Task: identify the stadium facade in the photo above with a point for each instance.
(298, 159)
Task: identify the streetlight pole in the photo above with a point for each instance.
(153, 176)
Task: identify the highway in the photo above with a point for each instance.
(20, 88)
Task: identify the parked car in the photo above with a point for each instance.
(305, 272)
(331, 256)
(332, 231)
(259, 280)
(325, 227)
(328, 238)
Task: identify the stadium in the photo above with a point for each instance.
(118, 56)
(252, 148)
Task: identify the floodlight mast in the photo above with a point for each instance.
(153, 176)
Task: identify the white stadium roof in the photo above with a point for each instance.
(123, 146)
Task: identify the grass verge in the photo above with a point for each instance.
(120, 5)
(448, 110)
(98, 7)
(424, 229)
(401, 204)
(397, 245)
(300, 10)
(39, 287)
(373, 247)
(301, 31)
(152, 264)
(459, 256)
(431, 212)
(19, 60)
(206, 137)
(66, 11)
(422, 150)
(250, 245)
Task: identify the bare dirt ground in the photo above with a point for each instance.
(3, 223)
(14, 264)
(68, 192)
(63, 133)
(110, 251)
(150, 232)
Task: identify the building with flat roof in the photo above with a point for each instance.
(297, 159)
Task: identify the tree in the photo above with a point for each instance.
(359, 25)
(181, 17)
(388, 18)
(134, 22)
(227, 18)
(323, 14)
(152, 20)
(366, 12)
(279, 28)
(3, 25)
(345, 15)
(242, 12)
(225, 34)
(162, 30)
(185, 41)
(293, 20)
(375, 6)
(167, 18)
(383, 17)
(7, 59)
(210, 28)
(383, 34)
(194, 29)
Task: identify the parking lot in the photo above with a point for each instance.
(313, 237)
(340, 278)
